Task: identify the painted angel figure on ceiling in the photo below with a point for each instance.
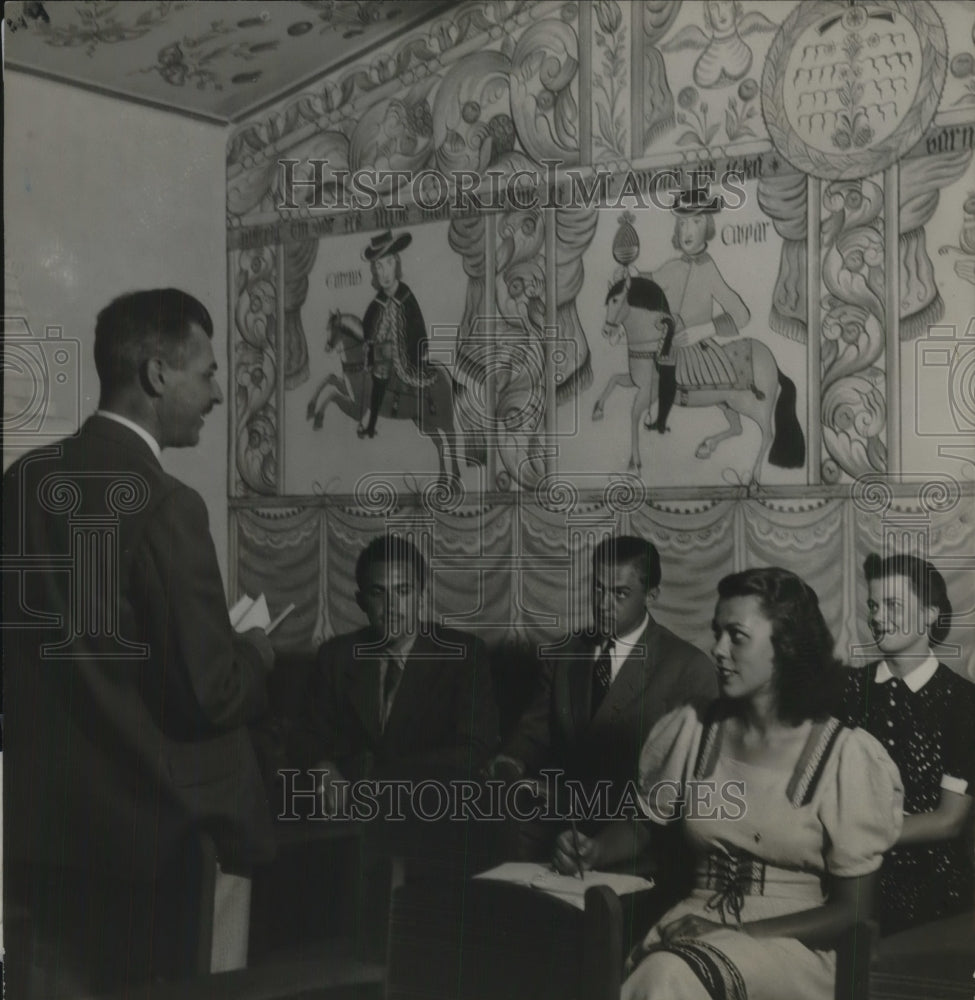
(726, 57)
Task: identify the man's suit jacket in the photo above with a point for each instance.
(116, 752)
(558, 729)
(443, 723)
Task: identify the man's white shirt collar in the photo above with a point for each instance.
(623, 646)
(132, 426)
(916, 679)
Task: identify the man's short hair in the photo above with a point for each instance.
(141, 325)
(390, 549)
(618, 550)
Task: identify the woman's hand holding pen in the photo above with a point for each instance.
(574, 850)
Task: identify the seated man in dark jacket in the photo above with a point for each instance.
(401, 698)
(400, 701)
(600, 696)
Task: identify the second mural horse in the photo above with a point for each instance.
(430, 407)
(766, 394)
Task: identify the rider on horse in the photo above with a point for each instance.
(692, 284)
(393, 326)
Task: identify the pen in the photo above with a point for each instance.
(281, 617)
(575, 846)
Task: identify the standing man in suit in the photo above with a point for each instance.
(599, 699)
(127, 694)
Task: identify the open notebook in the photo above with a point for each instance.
(569, 888)
(252, 612)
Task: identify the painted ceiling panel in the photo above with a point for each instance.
(217, 60)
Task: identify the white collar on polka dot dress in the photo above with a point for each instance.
(916, 679)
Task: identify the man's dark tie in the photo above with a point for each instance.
(391, 679)
(601, 676)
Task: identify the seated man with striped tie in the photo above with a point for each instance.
(401, 703)
(599, 698)
(401, 698)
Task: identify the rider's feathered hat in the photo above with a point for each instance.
(383, 244)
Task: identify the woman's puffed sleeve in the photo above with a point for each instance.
(862, 809)
(666, 760)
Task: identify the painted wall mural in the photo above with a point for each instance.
(701, 250)
(682, 326)
(725, 57)
(255, 368)
(379, 390)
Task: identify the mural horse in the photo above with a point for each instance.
(429, 407)
(762, 391)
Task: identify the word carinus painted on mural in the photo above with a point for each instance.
(343, 279)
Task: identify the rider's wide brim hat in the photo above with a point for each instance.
(697, 201)
(385, 244)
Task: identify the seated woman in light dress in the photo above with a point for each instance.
(787, 811)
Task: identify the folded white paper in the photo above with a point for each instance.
(570, 888)
(250, 612)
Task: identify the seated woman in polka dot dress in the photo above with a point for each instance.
(923, 713)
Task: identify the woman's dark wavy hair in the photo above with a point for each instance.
(927, 583)
(807, 675)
